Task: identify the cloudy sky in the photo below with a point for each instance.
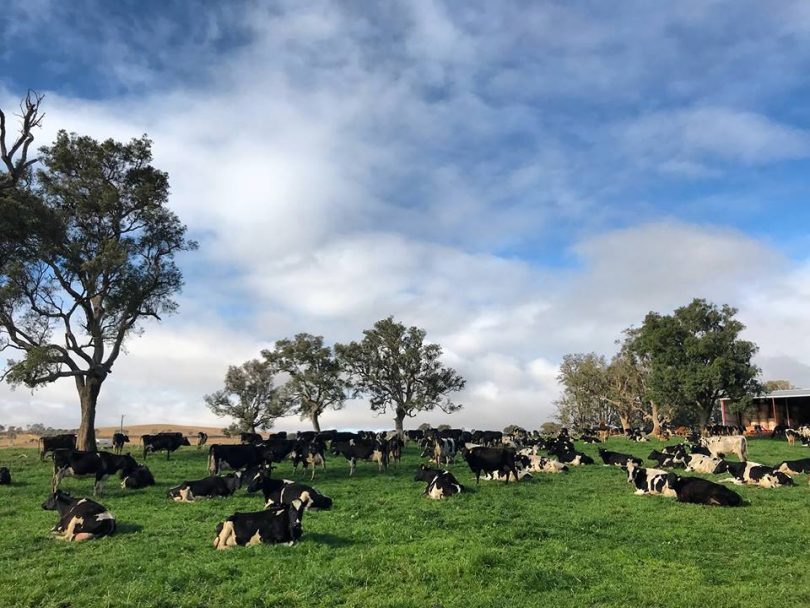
(521, 179)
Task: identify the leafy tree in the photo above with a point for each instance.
(248, 396)
(443, 427)
(398, 371)
(425, 426)
(316, 380)
(99, 260)
(584, 400)
(550, 428)
(513, 428)
(696, 356)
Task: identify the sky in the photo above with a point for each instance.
(521, 179)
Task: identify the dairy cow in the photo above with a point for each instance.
(74, 463)
(794, 467)
(5, 476)
(618, 459)
(163, 441)
(753, 473)
(118, 441)
(280, 524)
(140, 477)
(649, 481)
(55, 442)
(286, 492)
(731, 444)
(703, 492)
(440, 483)
(79, 518)
(208, 487)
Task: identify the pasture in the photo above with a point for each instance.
(577, 539)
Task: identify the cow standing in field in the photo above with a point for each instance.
(730, 444)
(202, 439)
(309, 454)
(5, 476)
(490, 460)
(163, 441)
(444, 449)
(361, 449)
(55, 442)
(79, 519)
(234, 457)
(73, 463)
(118, 441)
(250, 438)
(280, 524)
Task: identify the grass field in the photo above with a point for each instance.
(581, 539)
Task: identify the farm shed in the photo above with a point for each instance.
(789, 407)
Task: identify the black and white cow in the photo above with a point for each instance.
(664, 459)
(395, 445)
(794, 467)
(5, 476)
(208, 487)
(73, 463)
(700, 463)
(753, 473)
(286, 492)
(280, 524)
(572, 458)
(440, 484)
(490, 460)
(163, 441)
(590, 439)
(55, 442)
(522, 464)
(649, 481)
(250, 438)
(79, 518)
(202, 439)
(703, 492)
(361, 449)
(444, 449)
(118, 441)
(731, 444)
(309, 454)
(141, 477)
(618, 459)
(541, 464)
(235, 457)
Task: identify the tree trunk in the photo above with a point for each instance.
(315, 424)
(88, 388)
(399, 422)
(656, 421)
(625, 422)
(703, 419)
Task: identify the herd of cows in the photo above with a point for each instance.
(490, 455)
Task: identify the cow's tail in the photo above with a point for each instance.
(744, 449)
(41, 445)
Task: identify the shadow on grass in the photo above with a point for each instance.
(329, 539)
(127, 528)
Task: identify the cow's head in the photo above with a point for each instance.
(254, 477)
(184, 441)
(54, 500)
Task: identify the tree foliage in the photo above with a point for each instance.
(394, 367)
(584, 401)
(696, 356)
(770, 386)
(248, 396)
(98, 259)
(316, 380)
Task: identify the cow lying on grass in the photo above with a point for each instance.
(79, 519)
(649, 481)
(440, 484)
(794, 467)
(617, 459)
(753, 473)
(286, 492)
(700, 463)
(703, 492)
(139, 478)
(209, 487)
(279, 524)
(5, 476)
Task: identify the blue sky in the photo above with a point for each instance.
(523, 179)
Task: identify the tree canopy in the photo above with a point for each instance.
(98, 260)
(316, 380)
(394, 367)
(248, 396)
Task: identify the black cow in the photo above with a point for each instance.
(163, 441)
(618, 459)
(395, 445)
(118, 441)
(280, 524)
(490, 460)
(234, 457)
(73, 463)
(703, 492)
(139, 478)
(276, 449)
(440, 484)
(54, 442)
(247, 438)
(794, 467)
(5, 476)
(305, 436)
(202, 439)
(79, 519)
(286, 492)
(361, 449)
(589, 439)
(209, 487)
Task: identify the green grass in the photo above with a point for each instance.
(581, 539)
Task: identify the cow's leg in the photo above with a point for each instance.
(168, 453)
(352, 463)
(98, 486)
(477, 476)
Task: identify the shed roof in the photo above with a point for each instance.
(794, 392)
